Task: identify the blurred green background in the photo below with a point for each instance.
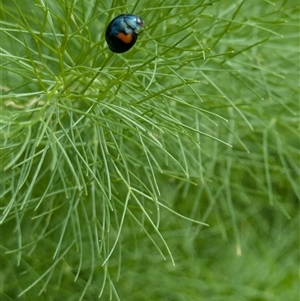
(170, 172)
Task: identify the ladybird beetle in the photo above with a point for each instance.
(122, 32)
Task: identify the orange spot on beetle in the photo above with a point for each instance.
(126, 38)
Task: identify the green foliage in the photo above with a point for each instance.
(113, 165)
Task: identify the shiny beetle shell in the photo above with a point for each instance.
(122, 32)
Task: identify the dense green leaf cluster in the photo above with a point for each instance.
(112, 166)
